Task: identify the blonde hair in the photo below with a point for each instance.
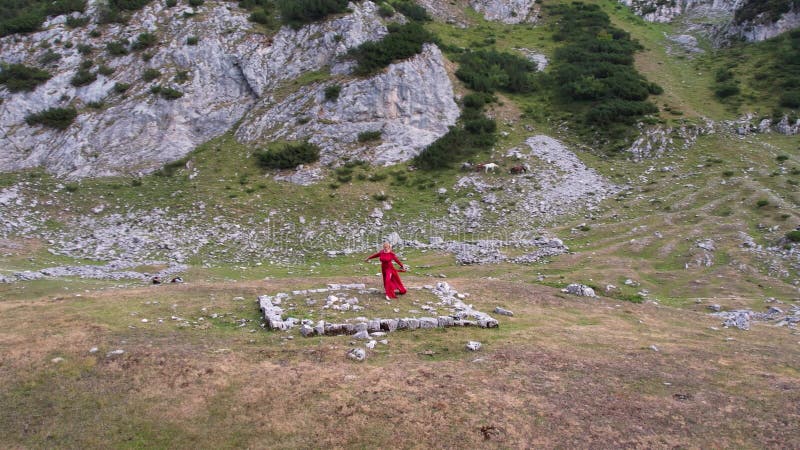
(387, 245)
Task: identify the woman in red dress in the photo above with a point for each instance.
(391, 280)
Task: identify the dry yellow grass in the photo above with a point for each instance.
(564, 372)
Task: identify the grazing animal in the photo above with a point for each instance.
(490, 167)
(523, 168)
(467, 166)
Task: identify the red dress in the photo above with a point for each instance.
(391, 280)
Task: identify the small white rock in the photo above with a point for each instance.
(473, 346)
(357, 354)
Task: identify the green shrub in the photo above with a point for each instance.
(288, 156)
(118, 11)
(332, 92)
(487, 71)
(299, 12)
(726, 89)
(182, 76)
(144, 41)
(385, 10)
(58, 118)
(380, 197)
(128, 5)
(790, 99)
(377, 177)
(49, 57)
(167, 93)
(793, 236)
(367, 136)
(121, 87)
(83, 77)
(593, 72)
(85, 49)
(19, 16)
(150, 74)
(196, 3)
(77, 22)
(781, 158)
(762, 203)
(192, 40)
(402, 41)
(169, 169)
(723, 75)
(171, 3)
(105, 70)
(117, 48)
(95, 33)
(95, 105)
(411, 10)
(260, 16)
(19, 77)
(86, 64)
(71, 187)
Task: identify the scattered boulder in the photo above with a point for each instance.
(357, 354)
(738, 319)
(503, 311)
(580, 290)
(473, 346)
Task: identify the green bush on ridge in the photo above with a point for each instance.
(402, 41)
(28, 16)
(593, 71)
(58, 118)
(300, 12)
(19, 77)
(288, 156)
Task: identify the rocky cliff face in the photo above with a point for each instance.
(666, 11)
(717, 16)
(411, 103)
(231, 69)
(507, 11)
(761, 30)
(137, 130)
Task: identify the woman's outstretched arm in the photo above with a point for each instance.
(394, 257)
(373, 256)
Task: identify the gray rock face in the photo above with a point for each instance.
(411, 103)
(140, 131)
(760, 29)
(718, 15)
(507, 11)
(266, 62)
(136, 133)
(661, 12)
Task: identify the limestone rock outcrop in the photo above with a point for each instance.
(411, 103)
(507, 11)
